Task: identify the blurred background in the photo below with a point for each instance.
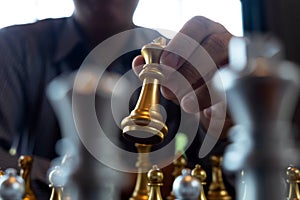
(170, 14)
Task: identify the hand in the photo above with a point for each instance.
(190, 61)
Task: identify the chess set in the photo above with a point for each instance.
(260, 101)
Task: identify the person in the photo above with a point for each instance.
(32, 55)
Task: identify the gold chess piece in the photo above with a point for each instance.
(56, 193)
(217, 190)
(145, 126)
(179, 164)
(155, 181)
(143, 164)
(2, 173)
(200, 173)
(145, 123)
(25, 164)
(293, 178)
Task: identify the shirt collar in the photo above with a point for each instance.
(67, 39)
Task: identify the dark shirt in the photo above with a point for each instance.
(32, 55)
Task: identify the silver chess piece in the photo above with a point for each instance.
(186, 187)
(12, 186)
(261, 91)
(87, 177)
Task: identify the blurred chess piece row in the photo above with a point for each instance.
(188, 184)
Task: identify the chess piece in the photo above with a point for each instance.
(145, 126)
(88, 178)
(242, 187)
(293, 178)
(261, 91)
(57, 181)
(155, 181)
(200, 173)
(186, 187)
(12, 186)
(179, 164)
(143, 163)
(145, 123)
(25, 164)
(217, 190)
(2, 172)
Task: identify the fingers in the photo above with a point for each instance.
(217, 112)
(190, 61)
(217, 47)
(195, 52)
(137, 64)
(197, 31)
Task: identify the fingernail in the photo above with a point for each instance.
(207, 113)
(190, 104)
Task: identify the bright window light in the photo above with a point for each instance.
(21, 12)
(172, 14)
(164, 14)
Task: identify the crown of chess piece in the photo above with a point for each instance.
(293, 178)
(186, 187)
(200, 173)
(155, 181)
(217, 190)
(12, 186)
(145, 123)
(179, 164)
(25, 164)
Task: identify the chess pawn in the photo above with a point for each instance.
(25, 163)
(11, 186)
(179, 164)
(155, 181)
(200, 173)
(217, 190)
(293, 178)
(186, 187)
